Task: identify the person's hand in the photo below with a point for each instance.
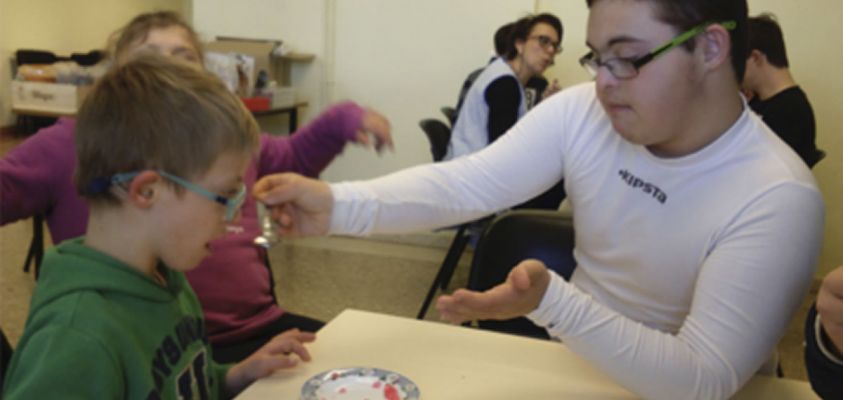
(551, 89)
(300, 206)
(376, 125)
(283, 351)
(830, 307)
(520, 294)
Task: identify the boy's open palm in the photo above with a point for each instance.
(519, 295)
(283, 351)
(300, 206)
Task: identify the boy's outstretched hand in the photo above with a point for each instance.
(274, 355)
(519, 295)
(300, 206)
(376, 125)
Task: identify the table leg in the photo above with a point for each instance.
(294, 119)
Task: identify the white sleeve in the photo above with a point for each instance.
(746, 292)
(521, 164)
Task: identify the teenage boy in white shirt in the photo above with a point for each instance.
(697, 228)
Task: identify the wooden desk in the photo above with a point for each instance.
(292, 110)
(453, 362)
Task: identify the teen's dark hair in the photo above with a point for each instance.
(765, 35)
(521, 30)
(686, 14)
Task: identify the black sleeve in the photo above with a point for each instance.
(826, 376)
(792, 119)
(503, 96)
(796, 128)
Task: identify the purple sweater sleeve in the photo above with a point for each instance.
(310, 149)
(37, 172)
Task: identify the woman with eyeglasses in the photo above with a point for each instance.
(496, 99)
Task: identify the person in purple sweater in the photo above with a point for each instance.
(233, 284)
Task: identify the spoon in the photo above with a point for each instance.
(269, 235)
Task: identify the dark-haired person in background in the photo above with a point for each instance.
(496, 100)
(535, 89)
(507, 88)
(779, 101)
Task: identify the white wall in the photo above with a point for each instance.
(63, 27)
(407, 59)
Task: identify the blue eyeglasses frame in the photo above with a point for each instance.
(232, 204)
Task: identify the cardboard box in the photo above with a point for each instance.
(268, 55)
(260, 50)
(282, 96)
(47, 98)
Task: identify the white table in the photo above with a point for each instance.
(453, 362)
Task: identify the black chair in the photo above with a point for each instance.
(36, 246)
(450, 113)
(30, 124)
(439, 135)
(266, 263)
(5, 357)
(513, 237)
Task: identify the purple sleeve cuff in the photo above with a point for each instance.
(312, 147)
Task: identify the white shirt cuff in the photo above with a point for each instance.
(546, 314)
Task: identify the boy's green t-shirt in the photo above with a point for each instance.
(99, 329)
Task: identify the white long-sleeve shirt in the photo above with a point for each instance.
(689, 268)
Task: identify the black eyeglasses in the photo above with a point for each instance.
(547, 43)
(627, 68)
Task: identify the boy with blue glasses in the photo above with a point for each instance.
(232, 204)
(113, 315)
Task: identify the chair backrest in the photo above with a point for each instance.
(513, 237)
(439, 135)
(450, 113)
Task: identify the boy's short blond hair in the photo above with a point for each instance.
(160, 113)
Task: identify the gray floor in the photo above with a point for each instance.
(322, 276)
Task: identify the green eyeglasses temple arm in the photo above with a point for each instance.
(729, 25)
